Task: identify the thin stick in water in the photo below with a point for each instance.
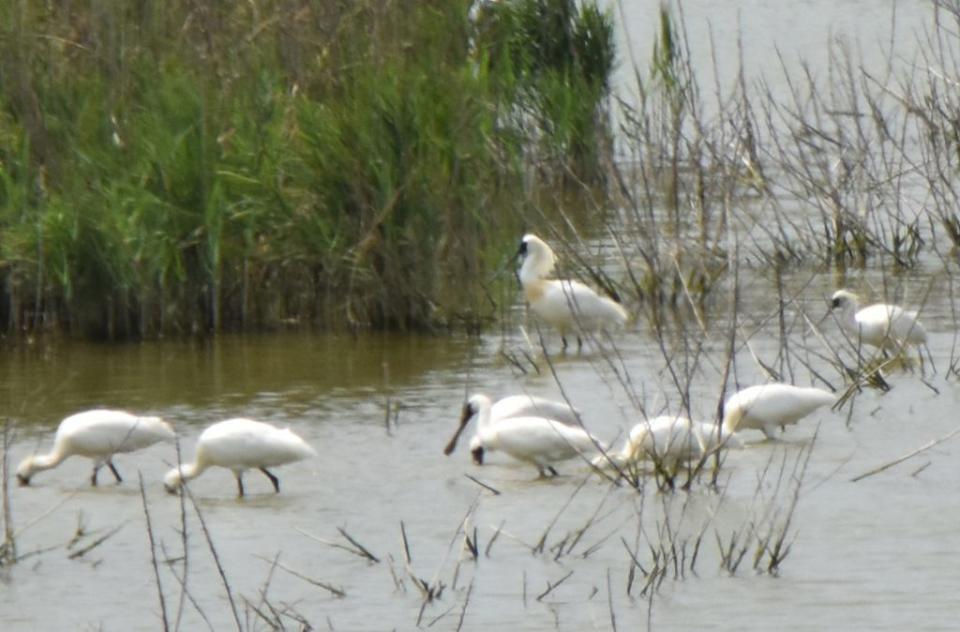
(153, 554)
(905, 457)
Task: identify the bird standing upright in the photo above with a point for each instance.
(566, 305)
(887, 327)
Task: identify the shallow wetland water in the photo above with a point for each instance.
(881, 553)
(876, 554)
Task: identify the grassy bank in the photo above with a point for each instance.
(193, 167)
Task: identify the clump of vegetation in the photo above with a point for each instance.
(181, 168)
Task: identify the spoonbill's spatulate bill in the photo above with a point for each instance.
(97, 434)
(522, 406)
(766, 407)
(238, 445)
(888, 327)
(535, 440)
(566, 305)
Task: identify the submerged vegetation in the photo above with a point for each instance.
(182, 167)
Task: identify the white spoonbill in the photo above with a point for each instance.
(97, 434)
(671, 439)
(535, 440)
(523, 406)
(566, 305)
(888, 327)
(241, 444)
(766, 406)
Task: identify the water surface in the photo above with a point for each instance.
(877, 554)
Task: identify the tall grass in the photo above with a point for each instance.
(187, 167)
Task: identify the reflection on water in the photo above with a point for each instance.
(226, 375)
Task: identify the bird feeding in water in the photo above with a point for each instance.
(522, 406)
(887, 327)
(670, 440)
(97, 434)
(766, 407)
(238, 445)
(535, 440)
(566, 305)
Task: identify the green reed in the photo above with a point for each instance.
(178, 168)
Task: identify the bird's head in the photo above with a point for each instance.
(538, 258)
(173, 480)
(843, 299)
(477, 450)
(471, 408)
(25, 471)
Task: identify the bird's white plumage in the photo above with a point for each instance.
(533, 406)
(240, 444)
(535, 440)
(671, 439)
(766, 407)
(566, 305)
(97, 434)
(879, 325)
(523, 406)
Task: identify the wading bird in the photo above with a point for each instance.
(535, 440)
(766, 407)
(98, 435)
(887, 327)
(522, 406)
(566, 305)
(669, 440)
(239, 445)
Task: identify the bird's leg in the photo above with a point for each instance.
(239, 476)
(563, 339)
(273, 479)
(768, 433)
(579, 343)
(93, 477)
(113, 469)
(552, 471)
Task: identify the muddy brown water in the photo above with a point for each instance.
(877, 554)
(881, 553)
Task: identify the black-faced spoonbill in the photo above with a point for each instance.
(766, 407)
(98, 435)
(669, 440)
(522, 406)
(887, 327)
(238, 445)
(566, 305)
(535, 440)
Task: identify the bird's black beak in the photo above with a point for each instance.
(23, 480)
(522, 250)
(477, 455)
(835, 303)
(465, 416)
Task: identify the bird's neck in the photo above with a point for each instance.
(731, 420)
(42, 462)
(533, 290)
(191, 470)
(849, 316)
(484, 419)
(534, 268)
